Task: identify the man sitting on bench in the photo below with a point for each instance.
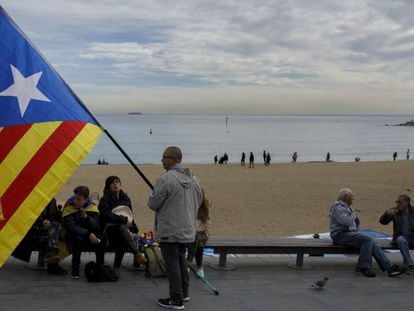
(344, 225)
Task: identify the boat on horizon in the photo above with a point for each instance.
(134, 113)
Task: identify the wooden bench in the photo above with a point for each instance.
(275, 245)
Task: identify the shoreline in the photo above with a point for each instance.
(282, 199)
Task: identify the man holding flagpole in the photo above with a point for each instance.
(176, 198)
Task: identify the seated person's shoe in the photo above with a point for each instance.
(139, 259)
(52, 256)
(170, 304)
(200, 272)
(410, 270)
(56, 269)
(394, 270)
(366, 272)
(75, 273)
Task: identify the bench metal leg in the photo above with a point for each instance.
(299, 263)
(222, 265)
(299, 260)
(223, 260)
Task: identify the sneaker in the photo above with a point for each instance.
(394, 270)
(200, 272)
(168, 303)
(366, 272)
(410, 270)
(75, 273)
(56, 269)
(186, 299)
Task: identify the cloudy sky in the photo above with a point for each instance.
(229, 57)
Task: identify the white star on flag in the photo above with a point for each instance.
(25, 89)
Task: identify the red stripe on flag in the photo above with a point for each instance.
(9, 137)
(38, 166)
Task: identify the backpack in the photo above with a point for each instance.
(99, 273)
(155, 266)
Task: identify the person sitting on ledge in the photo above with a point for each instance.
(402, 217)
(44, 234)
(81, 222)
(118, 228)
(344, 225)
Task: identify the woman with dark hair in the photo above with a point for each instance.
(118, 228)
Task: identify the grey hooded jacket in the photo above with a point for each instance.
(176, 198)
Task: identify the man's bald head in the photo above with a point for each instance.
(171, 156)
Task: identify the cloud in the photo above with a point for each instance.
(350, 47)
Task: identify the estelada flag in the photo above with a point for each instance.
(45, 133)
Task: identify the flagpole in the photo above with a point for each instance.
(129, 160)
(140, 173)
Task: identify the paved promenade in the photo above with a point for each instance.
(258, 283)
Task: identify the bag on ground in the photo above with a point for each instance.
(155, 266)
(99, 273)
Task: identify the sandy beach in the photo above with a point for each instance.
(279, 200)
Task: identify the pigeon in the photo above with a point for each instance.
(316, 236)
(320, 284)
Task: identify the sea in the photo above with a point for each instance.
(201, 137)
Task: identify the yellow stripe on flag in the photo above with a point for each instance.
(23, 152)
(24, 217)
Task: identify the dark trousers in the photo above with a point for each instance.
(78, 243)
(177, 270)
(120, 239)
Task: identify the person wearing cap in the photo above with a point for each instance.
(118, 226)
(402, 217)
(81, 222)
(344, 225)
(176, 199)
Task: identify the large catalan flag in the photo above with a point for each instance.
(45, 133)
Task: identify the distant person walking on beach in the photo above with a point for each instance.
(176, 199)
(268, 159)
(294, 157)
(215, 159)
(408, 154)
(344, 225)
(264, 157)
(243, 159)
(225, 158)
(251, 160)
(328, 157)
(394, 155)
